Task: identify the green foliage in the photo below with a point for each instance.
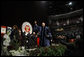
(49, 51)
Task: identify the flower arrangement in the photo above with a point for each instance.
(6, 40)
(20, 52)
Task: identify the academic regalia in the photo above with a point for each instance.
(36, 29)
(44, 39)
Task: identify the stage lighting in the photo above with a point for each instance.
(70, 3)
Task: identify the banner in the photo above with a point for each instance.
(3, 29)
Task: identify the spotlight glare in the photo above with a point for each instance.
(70, 3)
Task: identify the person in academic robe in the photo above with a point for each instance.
(45, 35)
(36, 32)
